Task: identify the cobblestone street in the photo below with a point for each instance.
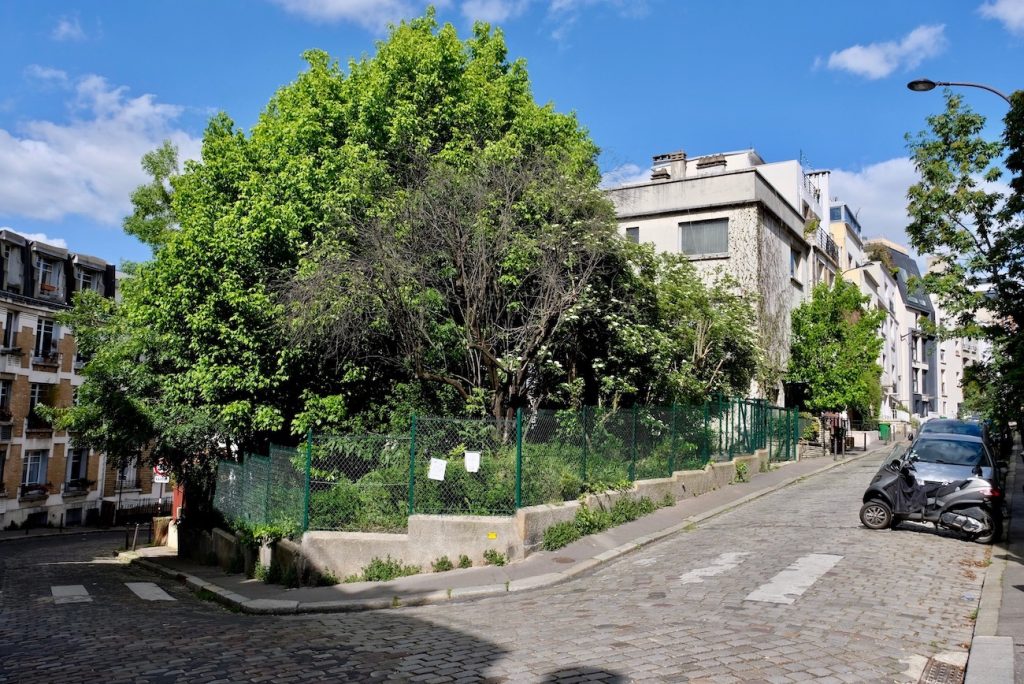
(789, 587)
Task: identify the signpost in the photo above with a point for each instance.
(161, 476)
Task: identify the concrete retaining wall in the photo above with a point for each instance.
(431, 536)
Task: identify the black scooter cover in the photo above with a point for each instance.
(908, 496)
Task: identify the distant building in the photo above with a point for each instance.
(44, 477)
(761, 223)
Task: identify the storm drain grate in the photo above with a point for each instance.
(938, 672)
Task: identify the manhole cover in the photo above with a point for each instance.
(938, 672)
(563, 559)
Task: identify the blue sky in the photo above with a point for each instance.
(87, 88)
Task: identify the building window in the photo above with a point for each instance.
(39, 393)
(702, 238)
(794, 263)
(128, 476)
(78, 464)
(3, 465)
(5, 395)
(90, 280)
(633, 234)
(46, 345)
(33, 467)
(11, 330)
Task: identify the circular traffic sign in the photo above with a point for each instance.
(161, 469)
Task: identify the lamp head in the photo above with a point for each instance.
(922, 85)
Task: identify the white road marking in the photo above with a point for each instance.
(791, 583)
(70, 593)
(644, 562)
(148, 591)
(726, 561)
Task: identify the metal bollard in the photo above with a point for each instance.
(135, 539)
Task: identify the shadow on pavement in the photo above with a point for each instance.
(583, 674)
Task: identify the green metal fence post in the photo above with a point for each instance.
(309, 470)
(266, 503)
(705, 443)
(672, 452)
(586, 441)
(771, 411)
(719, 452)
(632, 446)
(519, 458)
(796, 432)
(412, 464)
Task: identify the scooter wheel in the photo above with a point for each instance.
(996, 533)
(876, 515)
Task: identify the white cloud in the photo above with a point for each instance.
(493, 11)
(371, 14)
(1009, 12)
(90, 164)
(878, 60)
(46, 75)
(39, 237)
(68, 28)
(624, 175)
(878, 195)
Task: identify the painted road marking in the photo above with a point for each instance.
(148, 591)
(70, 593)
(726, 561)
(791, 583)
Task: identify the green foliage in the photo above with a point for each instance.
(835, 348)
(152, 218)
(591, 521)
(442, 564)
(382, 570)
(667, 500)
(465, 562)
(261, 573)
(560, 534)
(975, 230)
(494, 557)
(742, 474)
(327, 579)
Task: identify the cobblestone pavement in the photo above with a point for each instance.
(874, 610)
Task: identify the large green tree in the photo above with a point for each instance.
(975, 229)
(835, 348)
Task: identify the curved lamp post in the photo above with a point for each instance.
(923, 85)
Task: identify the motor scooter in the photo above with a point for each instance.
(971, 507)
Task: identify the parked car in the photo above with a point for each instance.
(967, 427)
(946, 456)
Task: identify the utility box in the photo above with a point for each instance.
(884, 431)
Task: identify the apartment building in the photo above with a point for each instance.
(734, 213)
(44, 477)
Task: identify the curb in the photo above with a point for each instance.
(243, 604)
(990, 658)
(57, 535)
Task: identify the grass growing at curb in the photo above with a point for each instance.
(591, 521)
(494, 557)
(442, 564)
(383, 570)
(465, 562)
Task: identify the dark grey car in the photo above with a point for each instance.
(945, 457)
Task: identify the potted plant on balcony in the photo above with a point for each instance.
(34, 490)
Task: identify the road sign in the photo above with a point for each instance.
(161, 479)
(161, 473)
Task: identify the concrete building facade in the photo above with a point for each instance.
(733, 213)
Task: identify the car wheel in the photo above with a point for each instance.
(876, 515)
(996, 530)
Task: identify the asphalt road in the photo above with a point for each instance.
(786, 588)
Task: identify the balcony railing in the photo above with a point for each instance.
(828, 245)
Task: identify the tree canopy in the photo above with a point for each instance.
(835, 349)
(975, 229)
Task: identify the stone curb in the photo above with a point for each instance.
(990, 658)
(277, 607)
(58, 535)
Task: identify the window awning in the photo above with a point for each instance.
(89, 261)
(50, 250)
(12, 237)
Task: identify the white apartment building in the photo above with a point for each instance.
(761, 223)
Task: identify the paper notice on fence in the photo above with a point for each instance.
(437, 468)
(472, 461)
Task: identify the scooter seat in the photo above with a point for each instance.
(940, 490)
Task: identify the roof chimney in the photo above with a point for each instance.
(671, 166)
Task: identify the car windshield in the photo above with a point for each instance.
(948, 451)
(952, 427)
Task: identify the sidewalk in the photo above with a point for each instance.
(999, 630)
(540, 569)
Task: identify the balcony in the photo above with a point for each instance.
(49, 362)
(827, 244)
(76, 487)
(10, 360)
(34, 491)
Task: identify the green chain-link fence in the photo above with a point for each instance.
(489, 466)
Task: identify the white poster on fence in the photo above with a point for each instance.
(437, 468)
(472, 461)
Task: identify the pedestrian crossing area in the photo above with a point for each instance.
(77, 593)
(785, 587)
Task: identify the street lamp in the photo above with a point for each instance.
(923, 85)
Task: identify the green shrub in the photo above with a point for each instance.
(494, 557)
(327, 579)
(667, 500)
(260, 572)
(442, 564)
(465, 562)
(627, 509)
(742, 474)
(560, 534)
(591, 521)
(382, 570)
